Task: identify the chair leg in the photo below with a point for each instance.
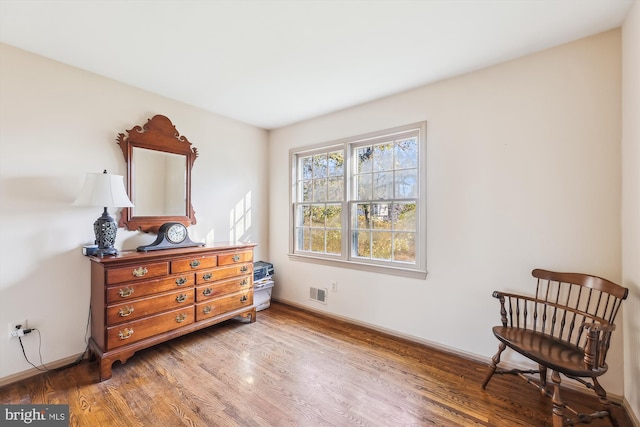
(558, 404)
(604, 401)
(494, 364)
(543, 379)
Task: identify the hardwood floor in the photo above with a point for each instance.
(291, 368)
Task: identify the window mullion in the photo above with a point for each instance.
(383, 173)
(346, 205)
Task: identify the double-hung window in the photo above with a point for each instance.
(360, 202)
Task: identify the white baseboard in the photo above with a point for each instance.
(392, 332)
(632, 415)
(33, 371)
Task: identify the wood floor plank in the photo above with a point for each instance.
(292, 368)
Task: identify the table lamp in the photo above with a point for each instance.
(103, 189)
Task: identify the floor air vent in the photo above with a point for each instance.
(319, 295)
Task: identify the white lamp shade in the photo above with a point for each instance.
(102, 189)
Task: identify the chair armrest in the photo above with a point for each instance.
(597, 343)
(503, 311)
(506, 300)
(598, 327)
(498, 294)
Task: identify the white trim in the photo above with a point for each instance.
(417, 269)
(627, 408)
(32, 372)
(373, 268)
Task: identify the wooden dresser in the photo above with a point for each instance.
(139, 299)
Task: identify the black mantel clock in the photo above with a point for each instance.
(171, 235)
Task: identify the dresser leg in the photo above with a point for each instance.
(250, 315)
(105, 363)
(104, 367)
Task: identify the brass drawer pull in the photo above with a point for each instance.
(207, 309)
(181, 298)
(207, 292)
(181, 317)
(125, 311)
(244, 282)
(194, 264)
(181, 281)
(126, 292)
(236, 258)
(125, 334)
(207, 276)
(140, 271)
(244, 298)
(244, 269)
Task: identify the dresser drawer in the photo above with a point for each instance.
(137, 272)
(216, 289)
(142, 307)
(193, 264)
(235, 258)
(137, 330)
(127, 291)
(223, 273)
(215, 307)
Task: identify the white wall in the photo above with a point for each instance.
(523, 172)
(56, 124)
(631, 204)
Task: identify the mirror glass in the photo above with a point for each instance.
(160, 183)
(159, 163)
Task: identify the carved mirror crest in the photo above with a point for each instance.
(159, 162)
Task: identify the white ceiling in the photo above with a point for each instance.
(272, 63)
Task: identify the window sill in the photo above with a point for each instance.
(394, 271)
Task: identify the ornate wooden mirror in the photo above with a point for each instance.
(159, 163)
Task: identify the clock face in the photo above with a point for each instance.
(176, 233)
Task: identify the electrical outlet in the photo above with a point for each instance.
(334, 286)
(19, 324)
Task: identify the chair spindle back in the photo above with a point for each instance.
(562, 304)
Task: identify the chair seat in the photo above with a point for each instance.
(547, 351)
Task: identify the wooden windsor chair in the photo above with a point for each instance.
(566, 328)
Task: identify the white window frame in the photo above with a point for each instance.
(345, 260)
